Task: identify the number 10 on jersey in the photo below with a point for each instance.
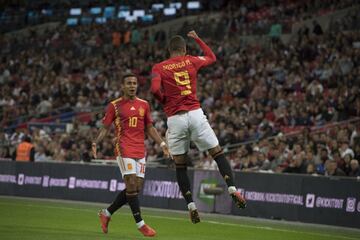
(133, 121)
(183, 79)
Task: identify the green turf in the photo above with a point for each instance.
(41, 219)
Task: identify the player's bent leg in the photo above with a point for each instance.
(226, 172)
(132, 195)
(133, 200)
(105, 214)
(120, 201)
(223, 165)
(184, 185)
(126, 166)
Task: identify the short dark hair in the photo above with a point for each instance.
(126, 75)
(26, 138)
(177, 43)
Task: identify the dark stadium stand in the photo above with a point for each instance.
(302, 94)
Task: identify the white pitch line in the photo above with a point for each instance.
(280, 230)
(206, 221)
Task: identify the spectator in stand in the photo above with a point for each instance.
(5, 152)
(40, 155)
(354, 171)
(84, 153)
(296, 165)
(346, 164)
(310, 169)
(25, 151)
(332, 169)
(317, 29)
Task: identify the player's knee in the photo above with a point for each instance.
(131, 188)
(131, 183)
(139, 184)
(179, 159)
(216, 151)
(180, 167)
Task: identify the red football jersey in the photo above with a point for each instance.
(174, 80)
(130, 118)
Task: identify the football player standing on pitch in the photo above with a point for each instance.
(132, 119)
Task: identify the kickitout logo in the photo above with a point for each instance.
(153, 188)
(164, 189)
(206, 184)
(350, 204)
(69, 182)
(310, 200)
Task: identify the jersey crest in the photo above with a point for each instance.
(141, 112)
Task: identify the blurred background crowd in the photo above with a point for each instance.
(281, 106)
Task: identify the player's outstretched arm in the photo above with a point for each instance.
(153, 133)
(209, 54)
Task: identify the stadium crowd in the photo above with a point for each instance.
(243, 17)
(252, 18)
(250, 94)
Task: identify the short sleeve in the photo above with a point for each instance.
(148, 118)
(109, 115)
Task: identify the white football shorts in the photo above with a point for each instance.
(131, 166)
(190, 126)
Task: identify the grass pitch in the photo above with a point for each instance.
(31, 219)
